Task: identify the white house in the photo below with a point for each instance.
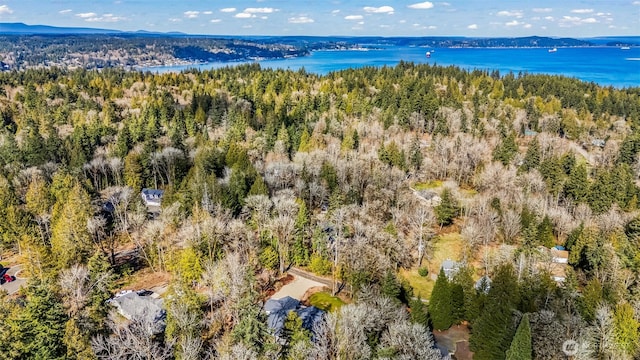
(152, 197)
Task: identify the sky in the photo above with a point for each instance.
(490, 18)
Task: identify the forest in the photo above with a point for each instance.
(374, 178)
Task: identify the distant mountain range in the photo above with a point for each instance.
(437, 41)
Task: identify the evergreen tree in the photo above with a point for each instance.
(601, 193)
(440, 305)
(390, 286)
(448, 208)
(520, 348)
(544, 233)
(493, 330)
(532, 157)
(626, 329)
(506, 150)
(296, 338)
(258, 187)
(577, 184)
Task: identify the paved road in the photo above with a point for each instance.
(14, 286)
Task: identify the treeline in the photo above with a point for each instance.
(127, 50)
(266, 169)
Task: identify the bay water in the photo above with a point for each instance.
(608, 66)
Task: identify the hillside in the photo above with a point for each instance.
(524, 189)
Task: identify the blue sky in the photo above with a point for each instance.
(575, 18)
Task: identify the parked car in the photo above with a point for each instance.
(7, 278)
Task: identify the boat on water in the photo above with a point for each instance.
(625, 48)
(553, 50)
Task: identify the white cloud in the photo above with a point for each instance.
(472, 27)
(582, 11)
(264, 17)
(550, 18)
(65, 11)
(542, 10)
(445, 4)
(244, 15)
(421, 6)
(260, 10)
(402, 21)
(568, 21)
(175, 20)
(513, 23)
(527, 26)
(360, 22)
(384, 26)
(106, 18)
(514, 13)
(336, 11)
(207, 12)
(432, 27)
(571, 18)
(353, 17)
(228, 10)
(379, 10)
(85, 15)
(4, 10)
(215, 21)
(300, 20)
(191, 14)
(636, 3)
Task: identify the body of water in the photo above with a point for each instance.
(603, 65)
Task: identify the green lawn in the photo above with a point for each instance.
(325, 301)
(446, 246)
(432, 184)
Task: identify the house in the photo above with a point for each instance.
(555, 261)
(152, 197)
(450, 268)
(430, 198)
(598, 143)
(278, 310)
(141, 305)
(559, 255)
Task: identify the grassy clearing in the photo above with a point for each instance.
(422, 286)
(446, 246)
(432, 184)
(325, 301)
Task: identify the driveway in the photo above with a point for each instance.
(296, 288)
(14, 286)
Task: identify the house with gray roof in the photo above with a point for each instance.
(141, 306)
(278, 310)
(450, 268)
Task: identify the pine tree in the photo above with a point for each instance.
(532, 157)
(493, 330)
(440, 306)
(390, 285)
(544, 233)
(258, 187)
(448, 209)
(577, 185)
(520, 348)
(506, 150)
(626, 329)
(295, 337)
